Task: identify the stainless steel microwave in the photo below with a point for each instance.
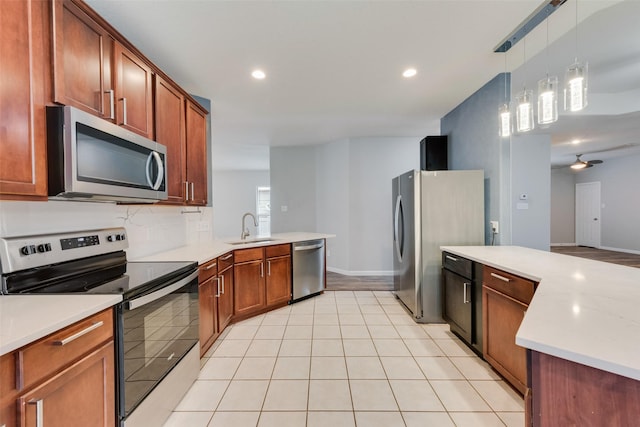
(90, 158)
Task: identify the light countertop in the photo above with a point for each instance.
(27, 318)
(206, 251)
(583, 310)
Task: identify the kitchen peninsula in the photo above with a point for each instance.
(581, 325)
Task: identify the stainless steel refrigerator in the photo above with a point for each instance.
(432, 209)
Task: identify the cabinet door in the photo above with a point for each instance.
(502, 318)
(248, 287)
(25, 85)
(458, 297)
(82, 61)
(278, 280)
(196, 155)
(170, 131)
(81, 395)
(8, 392)
(134, 109)
(207, 292)
(225, 300)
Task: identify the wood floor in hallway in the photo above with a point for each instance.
(341, 282)
(622, 258)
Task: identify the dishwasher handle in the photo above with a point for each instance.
(308, 247)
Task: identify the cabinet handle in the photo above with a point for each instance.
(262, 269)
(218, 286)
(186, 191)
(77, 335)
(464, 295)
(124, 111)
(209, 267)
(192, 197)
(269, 268)
(112, 114)
(497, 276)
(226, 257)
(222, 277)
(449, 257)
(39, 411)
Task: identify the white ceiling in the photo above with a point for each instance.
(333, 67)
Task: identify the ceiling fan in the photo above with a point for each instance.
(582, 164)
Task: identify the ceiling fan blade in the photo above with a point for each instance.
(594, 162)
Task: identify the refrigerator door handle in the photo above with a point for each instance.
(399, 240)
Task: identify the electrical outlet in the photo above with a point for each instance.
(494, 227)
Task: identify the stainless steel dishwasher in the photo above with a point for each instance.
(308, 269)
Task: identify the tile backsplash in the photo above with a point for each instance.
(150, 228)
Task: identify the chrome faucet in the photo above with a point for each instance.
(245, 231)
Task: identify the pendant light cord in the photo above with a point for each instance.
(576, 30)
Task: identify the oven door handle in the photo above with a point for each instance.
(146, 299)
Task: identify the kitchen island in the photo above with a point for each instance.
(582, 323)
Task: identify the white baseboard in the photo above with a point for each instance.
(360, 273)
(563, 244)
(628, 251)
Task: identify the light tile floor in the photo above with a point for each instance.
(345, 359)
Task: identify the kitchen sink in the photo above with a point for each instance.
(249, 241)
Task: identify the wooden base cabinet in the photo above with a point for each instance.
(225, 299)
(505, 300)
(278, 281)
(248, 282)
(81, 395)
(566, 393)
(208, 291)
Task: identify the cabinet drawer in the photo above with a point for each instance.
(48, 355)
(458, 264)
(225, 261)
(277, 250)
(251, 254)
(514, 286)
(207, 270)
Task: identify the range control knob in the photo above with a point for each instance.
(123, 236)
(118, 237)
(28, 250)
(109, 238)
(41, 248)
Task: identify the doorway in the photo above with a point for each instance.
(588, 214)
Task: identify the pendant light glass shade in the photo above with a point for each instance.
(548, 100)
(524, 111)
(504, 117)
(575, 87)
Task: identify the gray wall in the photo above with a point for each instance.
(530, 176)
(293, 184)
(234, 194)
(350, 196)
(511, 165)
(563, 207)
(620, 196)
(472, 128)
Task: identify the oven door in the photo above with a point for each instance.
(155, 330)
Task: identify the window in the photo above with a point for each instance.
(263, 208)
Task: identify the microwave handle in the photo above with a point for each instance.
(146, 299)
(154, 155)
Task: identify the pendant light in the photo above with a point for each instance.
(504, 111)
(524, 101)
(548, 93)
(575, 80)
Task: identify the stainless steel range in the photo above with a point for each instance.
(157, 349)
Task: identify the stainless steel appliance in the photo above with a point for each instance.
(430, 209)
(90, 158)
(157, 351)
(308, 269)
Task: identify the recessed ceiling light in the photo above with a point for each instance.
(575, 141)
(409, 72)
(258, 74)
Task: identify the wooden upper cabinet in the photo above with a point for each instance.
(82, 55)
(133, 92)
(170, 131)
(196, 154)
(24, 90)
